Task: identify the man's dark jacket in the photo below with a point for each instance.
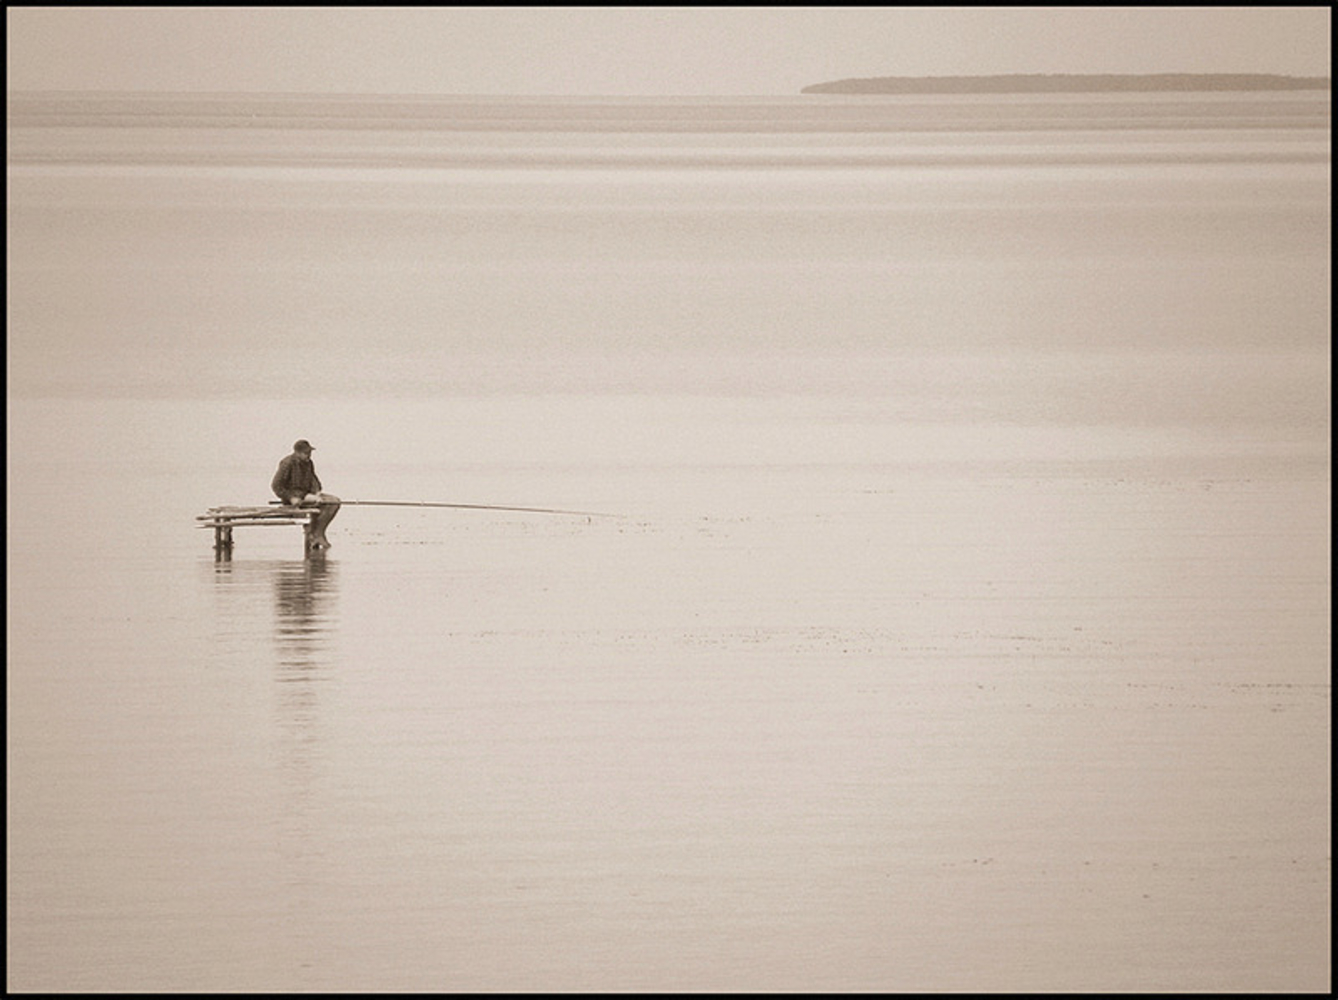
(295, 476)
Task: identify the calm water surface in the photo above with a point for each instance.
(961, 624)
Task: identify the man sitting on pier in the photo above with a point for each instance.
(296, 484)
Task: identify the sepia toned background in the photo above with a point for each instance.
(954, 612)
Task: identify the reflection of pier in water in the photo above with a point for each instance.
(303, 592)
(303, 596)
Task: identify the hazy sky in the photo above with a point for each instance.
(673, 51)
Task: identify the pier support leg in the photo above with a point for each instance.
(222, 543)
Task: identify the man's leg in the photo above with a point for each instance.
(329, 508)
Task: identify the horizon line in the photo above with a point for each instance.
(1321, 81)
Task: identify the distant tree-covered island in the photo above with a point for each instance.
(1058, 83)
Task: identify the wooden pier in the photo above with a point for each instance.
(224, 519)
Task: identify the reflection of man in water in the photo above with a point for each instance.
(304, 619)
(296, 484)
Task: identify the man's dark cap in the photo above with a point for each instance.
(302, 444)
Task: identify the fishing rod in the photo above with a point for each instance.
(459, 506)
